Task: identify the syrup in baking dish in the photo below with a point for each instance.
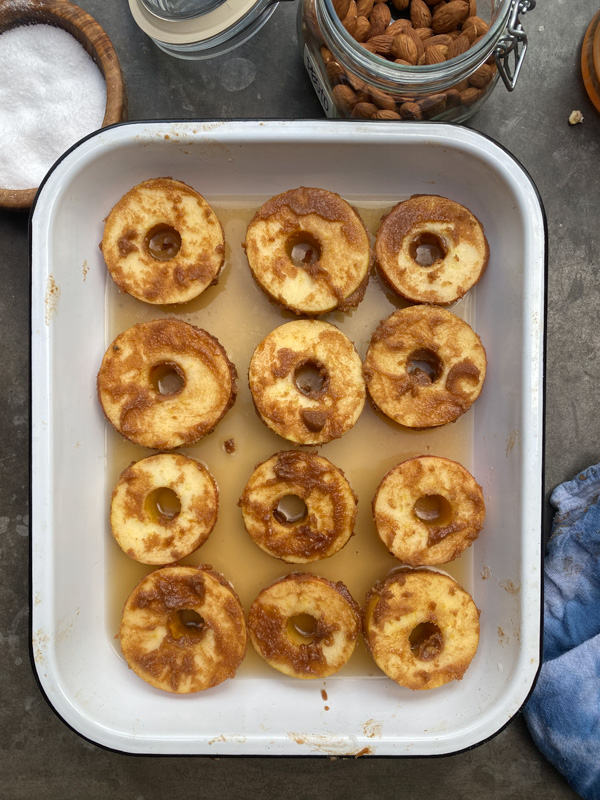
(237, 312)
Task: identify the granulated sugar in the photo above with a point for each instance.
(51, 95)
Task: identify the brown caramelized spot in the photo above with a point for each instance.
(167, 378)
(425, 366)
(302, 249)
(433, 509)
(426, 641)
(427, 249)
(162, 504)
(290, 509)
(311, 378)
(301, 629)
(464, 374)
(229, 446)
(162, 242)
(186, 622)
(313, 419)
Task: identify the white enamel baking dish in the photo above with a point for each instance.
(76, 662)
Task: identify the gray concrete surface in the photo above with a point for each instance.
(39, 755)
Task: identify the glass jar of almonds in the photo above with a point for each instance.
(410, 59)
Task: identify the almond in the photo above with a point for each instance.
(382, 100)
(449, 16)
(435, 54)
(341, 7)
(344, 98)
(368, 47)
(459, 46)
(385, 114)
(441, 38)
(472, 8)
(363, 96)
(398, 26)
(452, 98)
(379, 18)
(470, 33)
(416, 39)
(364, 110)
(420, 15)
(326, 55)
(469, 96)
(364, 7)
(421, 60)
(411, 111)
(382, 44)
(349, 21)
(400, 5)
(433, 105)
(363, 29)
(403, 62)
(356, 83)
(482, 76)
(403, 47)
(424, 34)
(335, 72)
(480, 26)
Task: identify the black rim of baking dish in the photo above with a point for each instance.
(544, 506)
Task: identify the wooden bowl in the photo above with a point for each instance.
(95, 41)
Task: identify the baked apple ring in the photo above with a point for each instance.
(183, 629)
(421, 628)
(163, 508)
(304, 625)
(309, 250)
(427, 510)
(430, 249)
(298, 507)
(165, 383)
(306, 382)
(163, 243)
(424, 367)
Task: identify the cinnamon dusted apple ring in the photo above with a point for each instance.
(305, 626)
(163, 508)
(430, 249)
(427, 510)
(165, 383)
(309, 251)
(298, 507)
(162, 242)
(424, 367)
(421, 628)
(183, 629)
(306, 382)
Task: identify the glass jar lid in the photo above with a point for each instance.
(183, 22)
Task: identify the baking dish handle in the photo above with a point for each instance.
(513, 41)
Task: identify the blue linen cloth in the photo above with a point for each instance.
(563, 713)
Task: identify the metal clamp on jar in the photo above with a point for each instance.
(410, 59)
(197, 29)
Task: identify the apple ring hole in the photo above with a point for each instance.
(302, 628)
(290, 510)
(425, 366)
(187, 622)
(163, 505)
(433, 509)
(427, 249)
(303, 250)
(426, 641)
(311, 378)
(167, 378)
(162, 242)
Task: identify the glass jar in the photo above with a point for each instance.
(198, 29)
(387, 77)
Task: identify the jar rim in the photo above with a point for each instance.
(413, 77)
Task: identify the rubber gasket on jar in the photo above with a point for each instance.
(424, 367)
(163, 508)
(298, 507)
(305, 626)
(165, 383)
(428, 510)
(183, 629)
(163, 243)
(309, 250)
(431, 249)
(306, 382)
(421, 627)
